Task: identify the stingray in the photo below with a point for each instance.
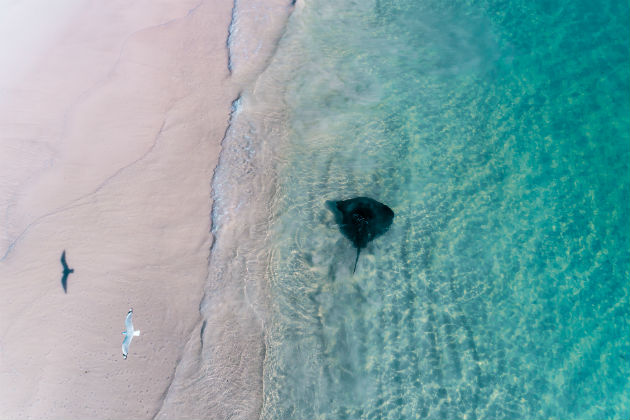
(361, 220)
(66, 272)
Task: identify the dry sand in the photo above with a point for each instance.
(109, 133)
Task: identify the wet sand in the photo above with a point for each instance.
(109, 134)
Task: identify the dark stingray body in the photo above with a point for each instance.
(361, 220)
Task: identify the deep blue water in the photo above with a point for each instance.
(499, 133)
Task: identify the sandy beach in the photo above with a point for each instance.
(110, 128)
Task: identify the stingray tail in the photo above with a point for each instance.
(356, 260)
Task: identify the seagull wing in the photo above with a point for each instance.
(128, 334)
(125, 344)
(129, 323)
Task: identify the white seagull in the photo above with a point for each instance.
(129, 334)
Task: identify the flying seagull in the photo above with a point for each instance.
(361, 219)
(66, 272)
(129, 333)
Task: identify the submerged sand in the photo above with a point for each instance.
(109, 134)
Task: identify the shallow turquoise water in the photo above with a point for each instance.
(499, 133)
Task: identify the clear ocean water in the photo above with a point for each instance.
(499, 133)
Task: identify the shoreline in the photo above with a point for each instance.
(222, 368)
(114, 135)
